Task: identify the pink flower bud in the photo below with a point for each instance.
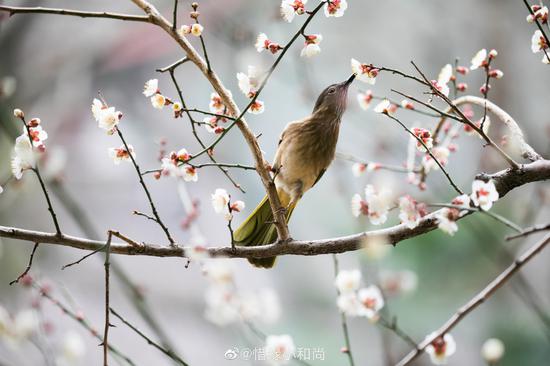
(485, 89)
(34, 122)
(462, 70)
(493, 53)
(495, 73)
(462, 87)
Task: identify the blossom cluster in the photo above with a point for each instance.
(221, 201)
(24, 156)
(355, 301)
(175, 165)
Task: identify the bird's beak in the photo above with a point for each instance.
(348, 82)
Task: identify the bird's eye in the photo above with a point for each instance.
(332, 90)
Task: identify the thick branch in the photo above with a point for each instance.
(505, 181)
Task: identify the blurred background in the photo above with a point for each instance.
(52, 68)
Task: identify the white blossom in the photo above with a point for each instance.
(484, 194)
(120, 154)
(197, 29)
(408, 212)
(151, 87)
(364, 99)
(279, 349)
(446, 220)
(248, 83)
(441, 348)
(348, 281)
(291, 8)
(365, 73)
(335, 8)
(158, 101)
(23, 157)
(492, 350)
(371, 300)
(479, 59)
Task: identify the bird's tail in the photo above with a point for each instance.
(258, 229)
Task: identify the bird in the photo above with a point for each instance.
(306, 149)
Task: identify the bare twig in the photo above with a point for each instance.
(175, 16)
(107, 324)
(478, 299)
(174, 65)
(343, 319)
(77, 13)
(392, 326)
(198, 166)
(144, 186)
(529, 231)
(428, 151)
(377, 166)
(28, 265)
(167, 352)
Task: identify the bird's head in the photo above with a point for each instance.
(334, 98)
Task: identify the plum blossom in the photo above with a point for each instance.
(444, 77)
(291, 8)
(107, 117)
(335, 8)
(540, 13)
(249, 83)
(221, 201)
(151, 88)
(279, 349)
(158, 101)
(425, 136)
(365, 73)
(216, 104)
(492, 350)
(222, 307)
(441, 153)
(257, 107)
(358, 169)
(484, 194)
(73, 349)
(120, 154)
(375, 205)
(264, 43)
(211, 124)
(23, 156)
(184, 29)
(372, 300)
(446, 220)
(479, 59)
(18, 113)
(385, 107)
(189, 173)
(410, 212)
(197, 29)
(538, 42)
(407, 104)
(441, 348)
(348, 281)
(311, 47)
(364, 99)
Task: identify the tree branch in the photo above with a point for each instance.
(477, 300)
(77, 13)
(505, 181)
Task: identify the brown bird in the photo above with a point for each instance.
(306, 149)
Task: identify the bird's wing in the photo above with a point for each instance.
(319, 177)
(286, 132)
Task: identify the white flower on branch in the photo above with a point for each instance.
(120, 154)
(385, 107)
(189, 173)
(211, 124)
(358, 169)
(158, 101)
(279, 349)
(441, 348)
(425, 136)
(197, 29)
(257, 107)
(479, 59)
(249, 83)
(446, 220)
(375, 205)
(216, 104)
(445, 75)
(348, 281)
(441, 153)
(364, 99)
(107, 117)
(264, 43)
(311, 47)
(492, 351)
(538, 42)
(291, 8)
(220, 201)
(23, 156)
(184, 30)
(37, 133)
(410, 212)
(484, 194)
(151, 88)
(371, 300)
(365, 73)
(335, 8)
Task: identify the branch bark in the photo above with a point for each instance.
(505, 181)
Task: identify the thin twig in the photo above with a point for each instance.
(428, 151)
(107, 324)
(36, 171)
(428, 105)
(198, 166)
(174, 65)
(343, 320)
(34, 248)
(477, 300)
(392, 326)
(175, 16)
(377, 166)
(167, 352)
(149, 198)
(529, 231)
(77, 13)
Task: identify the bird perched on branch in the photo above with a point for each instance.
(306, 149)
